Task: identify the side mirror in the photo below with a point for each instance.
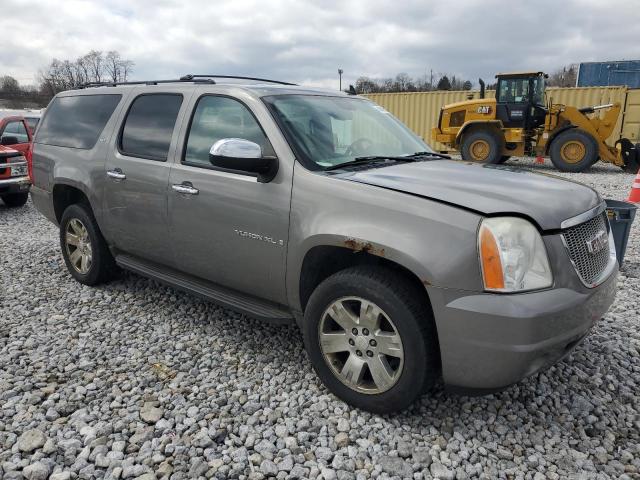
(9, 141)
(243, 155)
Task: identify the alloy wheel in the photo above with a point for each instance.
(78, 245)
(361, 345)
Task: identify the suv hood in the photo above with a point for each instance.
(487, 189)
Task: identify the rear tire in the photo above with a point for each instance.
(84, 249)
(13, 200)
(404, 327)
(482, 145)
(574, 151)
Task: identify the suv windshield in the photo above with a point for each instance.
(329, 131)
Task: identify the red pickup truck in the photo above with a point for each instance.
(15, 160)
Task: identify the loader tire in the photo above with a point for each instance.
(482, 146)
(574, 151)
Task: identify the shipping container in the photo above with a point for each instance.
(602, 74)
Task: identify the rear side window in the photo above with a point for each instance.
(149, 126)
(76, 122)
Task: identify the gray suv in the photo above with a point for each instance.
(293, 204)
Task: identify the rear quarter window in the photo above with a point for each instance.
(76, 121)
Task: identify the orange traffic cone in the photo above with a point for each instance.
(539, 160)
(634, 194)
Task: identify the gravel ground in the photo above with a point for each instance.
(137, 380)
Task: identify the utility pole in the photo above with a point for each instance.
(340, 72)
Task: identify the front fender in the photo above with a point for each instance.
(435, 241)
(470, 123)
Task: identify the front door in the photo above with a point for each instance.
(137, 175)
(225, 226)
(513, 101)
(16, 131)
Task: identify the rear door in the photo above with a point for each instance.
(137, 173)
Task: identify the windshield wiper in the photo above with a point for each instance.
(369, 159)
(414, 157)
(429, 154)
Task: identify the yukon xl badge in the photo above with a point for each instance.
(257, 236)
(597, 243)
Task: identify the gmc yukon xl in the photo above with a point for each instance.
(287, 203)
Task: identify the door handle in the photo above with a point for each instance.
(185, 188)
(116, 174)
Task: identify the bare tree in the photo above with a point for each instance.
(94, 66)
(402, 82)
(112, 65)
(566, 76)
(126, 67)
(95, 61)
(8, 84)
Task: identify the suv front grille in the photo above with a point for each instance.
(588, 265)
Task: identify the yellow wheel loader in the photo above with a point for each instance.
(517, 122)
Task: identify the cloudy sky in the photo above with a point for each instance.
(306, 41)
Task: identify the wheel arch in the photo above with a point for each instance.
(322, 261)
(553, 135)
(474, 124)
(65, 193)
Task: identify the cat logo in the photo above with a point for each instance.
(484, 109)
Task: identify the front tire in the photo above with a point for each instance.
(371, 338)
(574, 151)
(84, 249)
(13, 200)
(483, 145)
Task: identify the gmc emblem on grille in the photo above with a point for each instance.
(597, 243)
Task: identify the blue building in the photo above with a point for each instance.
(602, 74)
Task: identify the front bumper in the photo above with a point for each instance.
(490, 341)
(14, 185)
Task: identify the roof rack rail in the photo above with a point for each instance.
(190, 77)
(186, 78)
(142, 82)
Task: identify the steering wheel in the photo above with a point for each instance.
(360, 146)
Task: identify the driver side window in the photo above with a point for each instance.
(216, 118)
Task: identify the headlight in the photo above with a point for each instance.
(512, 255)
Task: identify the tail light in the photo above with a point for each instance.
(29, 156)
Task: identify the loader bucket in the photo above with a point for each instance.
(630, 154)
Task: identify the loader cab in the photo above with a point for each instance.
(520, 99)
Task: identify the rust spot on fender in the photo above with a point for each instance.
(360, 246)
